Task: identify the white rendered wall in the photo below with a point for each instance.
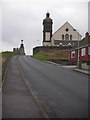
(46, 43)
(62, 31)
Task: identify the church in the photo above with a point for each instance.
(65, 36)
(20, 50)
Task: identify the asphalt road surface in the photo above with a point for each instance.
(62, 92)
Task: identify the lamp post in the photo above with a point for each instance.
(78, 64)
(38, 42)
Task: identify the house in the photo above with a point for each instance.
(83, 55)
(65, 36)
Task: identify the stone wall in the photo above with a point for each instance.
(47, 49)
(53, 52)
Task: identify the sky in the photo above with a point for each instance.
(22, 19)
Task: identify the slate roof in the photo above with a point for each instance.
(57, 42)
(84, 42)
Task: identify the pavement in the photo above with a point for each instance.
(82, 71)
(73, 67)
(18, 101)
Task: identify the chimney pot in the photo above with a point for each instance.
(87, 34)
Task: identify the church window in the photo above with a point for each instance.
(66, 37)
(71, 37)
(62, 37)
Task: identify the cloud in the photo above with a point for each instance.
(23, 20)
(89, 16)
(0, 27)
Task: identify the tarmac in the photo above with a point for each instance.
(19, 114)
(18, 101)
(0, 88)
(0, 103)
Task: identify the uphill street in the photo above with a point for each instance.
(61, 92)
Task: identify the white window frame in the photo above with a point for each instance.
(73, 54)
(88, 50)
(83, 51)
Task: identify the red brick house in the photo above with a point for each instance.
(84, 52)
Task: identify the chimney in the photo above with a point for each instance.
(87, 34)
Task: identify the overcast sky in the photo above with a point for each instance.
(22, 19)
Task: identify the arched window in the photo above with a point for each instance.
(70, 37)
(66, 37)
(62, 37)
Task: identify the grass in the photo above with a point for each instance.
(3, 57)
(50, 55)
(7, 54)
(40, 56)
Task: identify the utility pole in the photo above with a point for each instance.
(78, 64)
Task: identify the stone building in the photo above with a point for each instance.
(66, 35)
(20, 50)
(47, 30)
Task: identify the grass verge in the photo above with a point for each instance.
(40, 56)
(5, 59)
(7, 54)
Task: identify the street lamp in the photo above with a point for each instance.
(38, 42)
(78, 48)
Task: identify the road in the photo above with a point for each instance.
(62, 92)
(0, 87)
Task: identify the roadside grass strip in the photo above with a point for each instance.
(40, 56)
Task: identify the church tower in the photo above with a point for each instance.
(21, 50)
(47, 30)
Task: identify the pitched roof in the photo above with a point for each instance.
(69, 25)
(84, 42)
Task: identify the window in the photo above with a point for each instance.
(88, 50)
(70, 37)
(62, 37)
(66, 37)
(67, 29)
(73, 54)
(83, 51)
